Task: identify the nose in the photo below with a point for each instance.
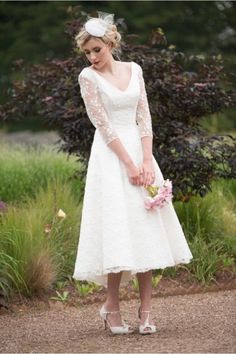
(93, 56)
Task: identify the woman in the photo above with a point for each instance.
(119, 238)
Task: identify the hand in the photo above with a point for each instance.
(133, 174)
(146, 173)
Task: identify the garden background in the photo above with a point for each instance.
(41, 189)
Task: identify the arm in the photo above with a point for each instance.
(144, 121)
(147, 148)
(95, 109)
(98, 116)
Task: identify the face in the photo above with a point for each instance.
(97, 52)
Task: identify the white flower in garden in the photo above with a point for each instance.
(47, 228)
(61, 214)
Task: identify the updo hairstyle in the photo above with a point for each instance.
(111, 36)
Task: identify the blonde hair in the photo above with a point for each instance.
(111, 36)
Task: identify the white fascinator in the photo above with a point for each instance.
(97, 26)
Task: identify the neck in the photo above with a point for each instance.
(110, 66)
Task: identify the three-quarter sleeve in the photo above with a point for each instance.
(95, 108)
(143, 115)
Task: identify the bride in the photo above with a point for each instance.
(119, 238)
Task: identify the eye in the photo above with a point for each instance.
(97, 50)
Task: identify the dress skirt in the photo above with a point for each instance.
(117, 233)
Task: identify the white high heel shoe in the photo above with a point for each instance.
(124, 329)
(146, 328)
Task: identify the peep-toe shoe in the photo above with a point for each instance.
(124, 329)
(146, 328)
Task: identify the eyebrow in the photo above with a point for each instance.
(92, 48)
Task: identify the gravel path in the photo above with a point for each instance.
(191, 323)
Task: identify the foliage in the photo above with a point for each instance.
(181, 90)
(210, 227)
(211, 217)
(34, 30)
(37, 245)
(38, 248)
(221, 123)
(63, 297)
(83, 288)
(155, 281)
(25, 169)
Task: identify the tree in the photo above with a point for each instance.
(178, 99)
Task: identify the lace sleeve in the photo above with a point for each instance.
(143, 115)
(95, 109)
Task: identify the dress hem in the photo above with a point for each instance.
(88, 276)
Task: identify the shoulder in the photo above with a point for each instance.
(86, 73)
(137, 66)
(133, 63)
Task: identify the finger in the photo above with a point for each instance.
(138, 181)
(140, 169)
(141, 175)
(145, 176)
(151, 179)
(141, 181)
(135, 179)
(148, 179)
(146, 183)
(132, 181)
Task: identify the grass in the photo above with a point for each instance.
(38, 246)
(209, 224)
(24, 170)
(211, 217)
(220, 122)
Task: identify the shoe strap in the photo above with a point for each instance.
(146, 323)
(108, 312)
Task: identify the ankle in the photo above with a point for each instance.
(145, 307)
(112, 306)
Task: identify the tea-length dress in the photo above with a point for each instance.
(117, 233)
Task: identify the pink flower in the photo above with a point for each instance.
(162, 196)
(149, 203)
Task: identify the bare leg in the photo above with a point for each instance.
(145, 291)
(112, 301)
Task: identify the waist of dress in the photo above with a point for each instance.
(128, 132)
(124, 126)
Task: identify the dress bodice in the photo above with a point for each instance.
(110, 108)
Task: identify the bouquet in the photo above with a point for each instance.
(158, 195)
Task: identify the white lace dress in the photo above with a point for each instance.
(117, 233)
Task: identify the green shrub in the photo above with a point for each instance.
(182, 90)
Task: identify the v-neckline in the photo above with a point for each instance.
(109, 83)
